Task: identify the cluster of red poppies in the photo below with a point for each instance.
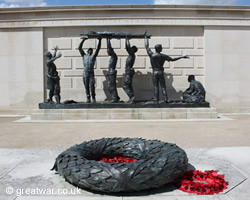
(117, 159)
(202, 183)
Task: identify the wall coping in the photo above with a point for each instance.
(125, 15)
(124, 7)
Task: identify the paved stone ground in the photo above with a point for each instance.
(185, 133)
(26, 170)
(28, 150)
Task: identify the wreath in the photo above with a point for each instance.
(202, 183)
(130, 164)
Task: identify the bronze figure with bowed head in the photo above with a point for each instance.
(157, 60)
(89, 59)
(53, 80)
(195, 93)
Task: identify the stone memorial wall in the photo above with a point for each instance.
(216, 38)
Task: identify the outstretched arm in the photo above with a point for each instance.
(178, 58)
(80, 46)
(98, 47)
(149, 52)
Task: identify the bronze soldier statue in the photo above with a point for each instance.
(112, 72)
(129, 71)
(157, 60)
(53, 80)
(195, 93)
(89, 59)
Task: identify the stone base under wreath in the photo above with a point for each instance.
(29, 166)
(124, 114)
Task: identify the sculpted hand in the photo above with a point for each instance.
(59, 55)
(146, 36)
(185, 57)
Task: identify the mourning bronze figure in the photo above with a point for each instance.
(195, 93)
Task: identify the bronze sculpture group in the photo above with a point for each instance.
(194, 94)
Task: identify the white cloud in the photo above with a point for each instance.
(196, 2)
(21, 3)
(4, 5)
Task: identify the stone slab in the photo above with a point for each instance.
(124, 114)
(214, 197)
(34, 166)
(67, 198)
(151, 197)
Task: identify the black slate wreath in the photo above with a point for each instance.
(157, 163)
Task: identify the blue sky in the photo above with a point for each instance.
(25, 3)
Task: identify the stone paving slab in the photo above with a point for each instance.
(28, 119)
(127, 198)
(29, 169)
(68, 197)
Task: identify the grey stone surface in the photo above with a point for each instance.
(191, 197)
(68, 197)
(241, 161)
(124, 113)
(7, 198)
(31, 171)
(8, 166)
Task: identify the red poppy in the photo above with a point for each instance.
(117, 159)
(202, 183)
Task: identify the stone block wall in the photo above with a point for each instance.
(175, 43)
(215, 37)
(228, 76)
(21, 68)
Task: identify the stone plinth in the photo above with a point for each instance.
(71, 104)
(124, 114)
